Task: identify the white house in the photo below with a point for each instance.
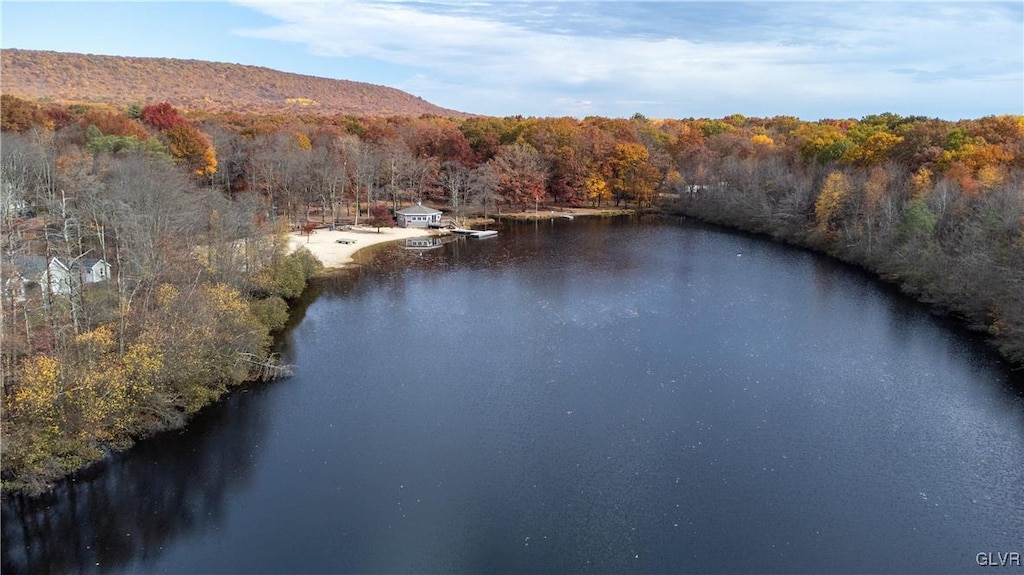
(418, 216)
(53, 275)
(93, 270)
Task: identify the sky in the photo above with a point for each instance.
(662, 59)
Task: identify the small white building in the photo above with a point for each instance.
(418, 216)
(93, 270)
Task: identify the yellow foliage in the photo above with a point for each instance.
(873, 150)
(228, 300)
(208, 165)
(816, 138)
(762, 140)
(597, 189)
(991, 176)
(99, 340)
(166, 294)
(39, 391)
(834, 193)
(632, 174)
(921, 183)
(302, 141)
(143, 363)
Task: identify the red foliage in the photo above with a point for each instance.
(380, 216)
(441, 139)
(59, 115)
(161, 116)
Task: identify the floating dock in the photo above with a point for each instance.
(475, 233)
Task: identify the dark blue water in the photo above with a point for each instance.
(596, 396)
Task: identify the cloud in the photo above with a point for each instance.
(549, 58)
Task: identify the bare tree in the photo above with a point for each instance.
(363, 160)
(482, 187)
(400, 170)
(455, 180)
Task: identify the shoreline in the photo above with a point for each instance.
(550, 213)
(324, 243)
(938, 303)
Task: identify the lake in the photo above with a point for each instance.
(587, 396)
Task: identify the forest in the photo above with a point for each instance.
(197, 85)
(191, 212)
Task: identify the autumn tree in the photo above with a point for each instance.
(380, 217)
(874, 150)
(521, 175)
(17, 115)
(438, 138)
(566, 175)
(190, 147)
(822, 142)
(632, 176)
(114, 123)
(597, 189)
(162, 116)
(828, 208)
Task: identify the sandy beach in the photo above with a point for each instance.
(325, 246)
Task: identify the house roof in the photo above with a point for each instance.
(90, 262)
(418, 210)
(29, 266)
(35, 266)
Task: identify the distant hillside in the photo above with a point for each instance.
(197, 85)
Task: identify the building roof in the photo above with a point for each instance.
(35, 266)
(90, 262)
(418, 210)
(29, 266)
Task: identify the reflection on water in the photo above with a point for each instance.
(585, 396)
(124, 511)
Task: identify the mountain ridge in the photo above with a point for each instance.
(199, 85)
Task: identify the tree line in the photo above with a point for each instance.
(192, 209)
(198, 282)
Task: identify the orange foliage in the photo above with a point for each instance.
(964, 177)
(190, 146)
(17, 115)
(114, 124)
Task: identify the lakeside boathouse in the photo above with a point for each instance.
(418, 216)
